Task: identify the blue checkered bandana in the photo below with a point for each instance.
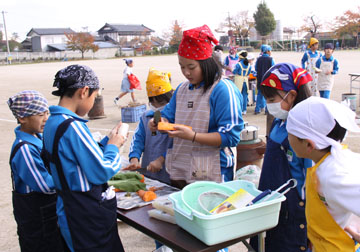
(75, 76)
(27, 103)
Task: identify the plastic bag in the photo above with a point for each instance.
(249, 173)
(134, 82)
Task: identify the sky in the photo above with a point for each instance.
(159, 15)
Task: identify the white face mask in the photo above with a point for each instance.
(155, 109)
(276, 110)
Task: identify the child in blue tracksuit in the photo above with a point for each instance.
(211, 106)
(308, 62)
(263, 63)
(86, 207)
(34, 196)
(284, 85)
(152, 146)
(328, 67)
(242, 71)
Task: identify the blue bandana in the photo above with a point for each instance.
(75, 76)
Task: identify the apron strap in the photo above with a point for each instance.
(12, 155)
(55, 152)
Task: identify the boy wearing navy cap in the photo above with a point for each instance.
(327, 66)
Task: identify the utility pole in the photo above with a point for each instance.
(8, 59)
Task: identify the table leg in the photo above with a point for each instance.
(261, 242)
(248, 246)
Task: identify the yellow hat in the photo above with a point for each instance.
(313, 41)
(158, 83)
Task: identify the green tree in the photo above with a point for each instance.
(81, 41)
(264, 20)
(13, 44)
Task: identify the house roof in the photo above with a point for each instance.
(125, 29)
(49, 31)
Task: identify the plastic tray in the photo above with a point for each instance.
(213, 229)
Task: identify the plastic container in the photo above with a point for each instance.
(124, 129)
(213, 229)
(351, 98)
(132, 114)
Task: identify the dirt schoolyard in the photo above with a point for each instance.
(15, 78)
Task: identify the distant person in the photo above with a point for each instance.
(125, 84)
(230, 61)
(241, 79)
(34, 195)
(252, 78)
(218, 54)
(263, 63)
(327, 66)
(337, 45)
(308, 62)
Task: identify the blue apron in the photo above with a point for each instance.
(35, 215)
(290, 234)
(91, 219)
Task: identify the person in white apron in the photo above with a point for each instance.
(308, 62)
(211, 106)
(316, 129)
(327, 66)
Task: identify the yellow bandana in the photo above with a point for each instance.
(158, 83)
(313, 41)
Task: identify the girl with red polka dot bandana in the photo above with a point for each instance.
(211, 106)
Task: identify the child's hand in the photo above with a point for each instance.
(134, 165)
(115, 137)
(353, 232)
(152, 126)
(182, 132)
(156, 165)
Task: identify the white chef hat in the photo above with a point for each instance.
(314, 118)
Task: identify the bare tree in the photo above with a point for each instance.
(312, 25)
(239, 25)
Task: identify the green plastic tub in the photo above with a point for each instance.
(213, 229)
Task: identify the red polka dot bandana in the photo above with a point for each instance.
(196, 43)
(285, 76)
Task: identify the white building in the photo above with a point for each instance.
(42, 37)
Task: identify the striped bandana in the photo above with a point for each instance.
(75, 76)
(27, 103)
